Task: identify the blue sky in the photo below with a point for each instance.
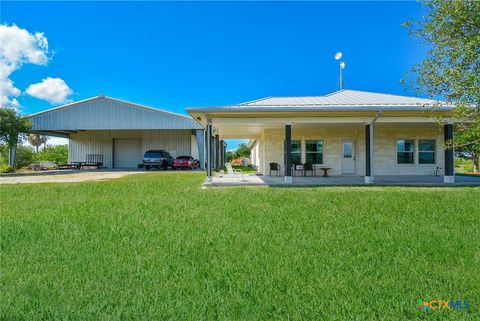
(173, 55)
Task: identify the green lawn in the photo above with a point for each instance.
(155, 246)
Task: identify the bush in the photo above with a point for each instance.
(25, 155)
(6, 169)
(57, 154)
(468, 167)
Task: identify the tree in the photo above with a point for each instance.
(451, 69)
(242, 151)
(37, 140)
(13, 129)
(229, 156)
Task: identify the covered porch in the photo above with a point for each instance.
(347, 148)
(380, 180)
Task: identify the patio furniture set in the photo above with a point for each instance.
(301, 169)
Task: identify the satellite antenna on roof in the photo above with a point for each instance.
(338, 56)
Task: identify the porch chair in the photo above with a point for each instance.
(297, 167)
(308, 167)
(233, 172)
(275, 167)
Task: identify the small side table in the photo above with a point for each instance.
(325, 171)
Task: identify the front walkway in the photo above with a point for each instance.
(399, 180)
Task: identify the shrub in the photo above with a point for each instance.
(468, 167)
(25, 155)
(6, 169)
(57, 154)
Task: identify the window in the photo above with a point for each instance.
(405, 151)
(314, 151)
(426, 151)
(296, 152)
(347, 150)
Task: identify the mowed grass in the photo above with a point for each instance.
(157, 247)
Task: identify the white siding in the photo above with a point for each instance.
(101, 142)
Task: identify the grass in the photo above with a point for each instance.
(245, 169)
(155, 246)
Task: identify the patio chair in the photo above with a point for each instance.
(297, 167)
(275, 167)
(307, 167)
(233, 172)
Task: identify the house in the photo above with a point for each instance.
(120, 131)
(351, 132)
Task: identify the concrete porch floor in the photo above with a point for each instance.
(393, 180)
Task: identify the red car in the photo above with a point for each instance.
(185, 162)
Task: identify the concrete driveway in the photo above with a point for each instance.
(65, 176)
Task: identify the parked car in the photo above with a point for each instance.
(157, 159)
(185, 162)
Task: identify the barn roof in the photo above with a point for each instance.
(105, 113)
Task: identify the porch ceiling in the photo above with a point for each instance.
(237, 128)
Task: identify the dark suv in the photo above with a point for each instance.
(157, 158)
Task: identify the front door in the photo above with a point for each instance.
(348, 157)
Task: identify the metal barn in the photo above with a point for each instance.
(120, 131)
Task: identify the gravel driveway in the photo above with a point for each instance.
(64, 176)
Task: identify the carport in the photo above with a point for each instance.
(119, 132)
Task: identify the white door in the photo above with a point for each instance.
(348, 157)
(127, 152)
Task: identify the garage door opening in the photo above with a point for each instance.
(127, 152)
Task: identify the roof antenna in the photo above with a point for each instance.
(338, 56)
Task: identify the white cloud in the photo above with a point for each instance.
(53, 90)
(18, 47)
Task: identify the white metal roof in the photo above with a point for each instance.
(342, 98)
(105, 113)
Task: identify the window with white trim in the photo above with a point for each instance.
(405, 151)
(426, 151)
(314, 151)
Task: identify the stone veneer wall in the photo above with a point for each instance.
(385, 137)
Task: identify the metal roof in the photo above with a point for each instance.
(105, 113)
(343, 100)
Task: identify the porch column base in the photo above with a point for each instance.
(449, 179)
(288, 180)
(369, 180)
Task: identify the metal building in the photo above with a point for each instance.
(120, 131)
